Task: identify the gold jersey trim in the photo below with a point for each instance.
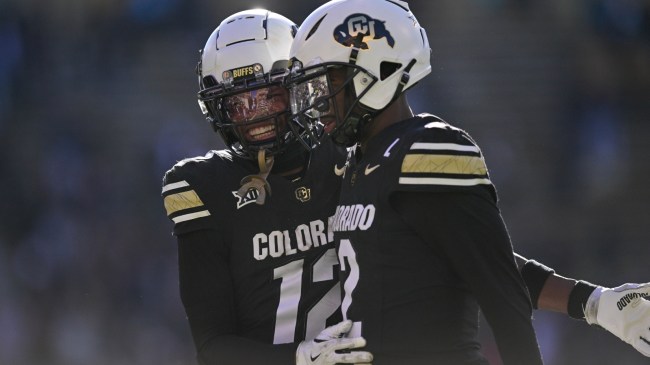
(181, 201)
(444, 164)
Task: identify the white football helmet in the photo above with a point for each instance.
(241, 74)
(382, 48)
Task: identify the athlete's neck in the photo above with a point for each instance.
(397, 111)
(291, 163)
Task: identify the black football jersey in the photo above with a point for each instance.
(409, 296)
(281, 255)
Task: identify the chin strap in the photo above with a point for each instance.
(258, 182)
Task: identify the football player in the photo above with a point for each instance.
(257, 267)
(419, 236)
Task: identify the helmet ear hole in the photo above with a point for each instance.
(388, 68)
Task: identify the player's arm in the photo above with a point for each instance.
(469, 230)
(206, 290)
(206, 286)
(548, 291)
(624, 311)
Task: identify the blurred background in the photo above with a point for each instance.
(98, 100)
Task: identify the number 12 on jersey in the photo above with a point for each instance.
(292, 275)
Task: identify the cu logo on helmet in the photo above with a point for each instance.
(357, 27)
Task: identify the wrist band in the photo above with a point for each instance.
(535, 275)
(578, 299)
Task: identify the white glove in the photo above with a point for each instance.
(624, 311)
(323, 349)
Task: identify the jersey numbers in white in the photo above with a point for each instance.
(287, 314)
(348, 260)
(347, 257)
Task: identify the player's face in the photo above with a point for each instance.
(259, 114)
(338, 78)
(320, 97)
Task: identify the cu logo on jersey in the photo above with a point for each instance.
(303, 194)
(358, 27)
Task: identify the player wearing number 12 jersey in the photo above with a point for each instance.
(257, 264)
(280, 254)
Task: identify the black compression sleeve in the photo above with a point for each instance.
(535, 275)
(578, 299)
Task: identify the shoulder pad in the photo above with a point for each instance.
(184, 192)
(438, 154)
(182, 202)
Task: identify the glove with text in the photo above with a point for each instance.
(323, 350)
(624, 311)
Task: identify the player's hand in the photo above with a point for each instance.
(624, 311)
(323, 350)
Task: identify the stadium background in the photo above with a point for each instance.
(97, 100)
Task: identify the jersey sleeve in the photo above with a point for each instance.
(442, 158)
(470, 232)
(185, 202)
(207, 294)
